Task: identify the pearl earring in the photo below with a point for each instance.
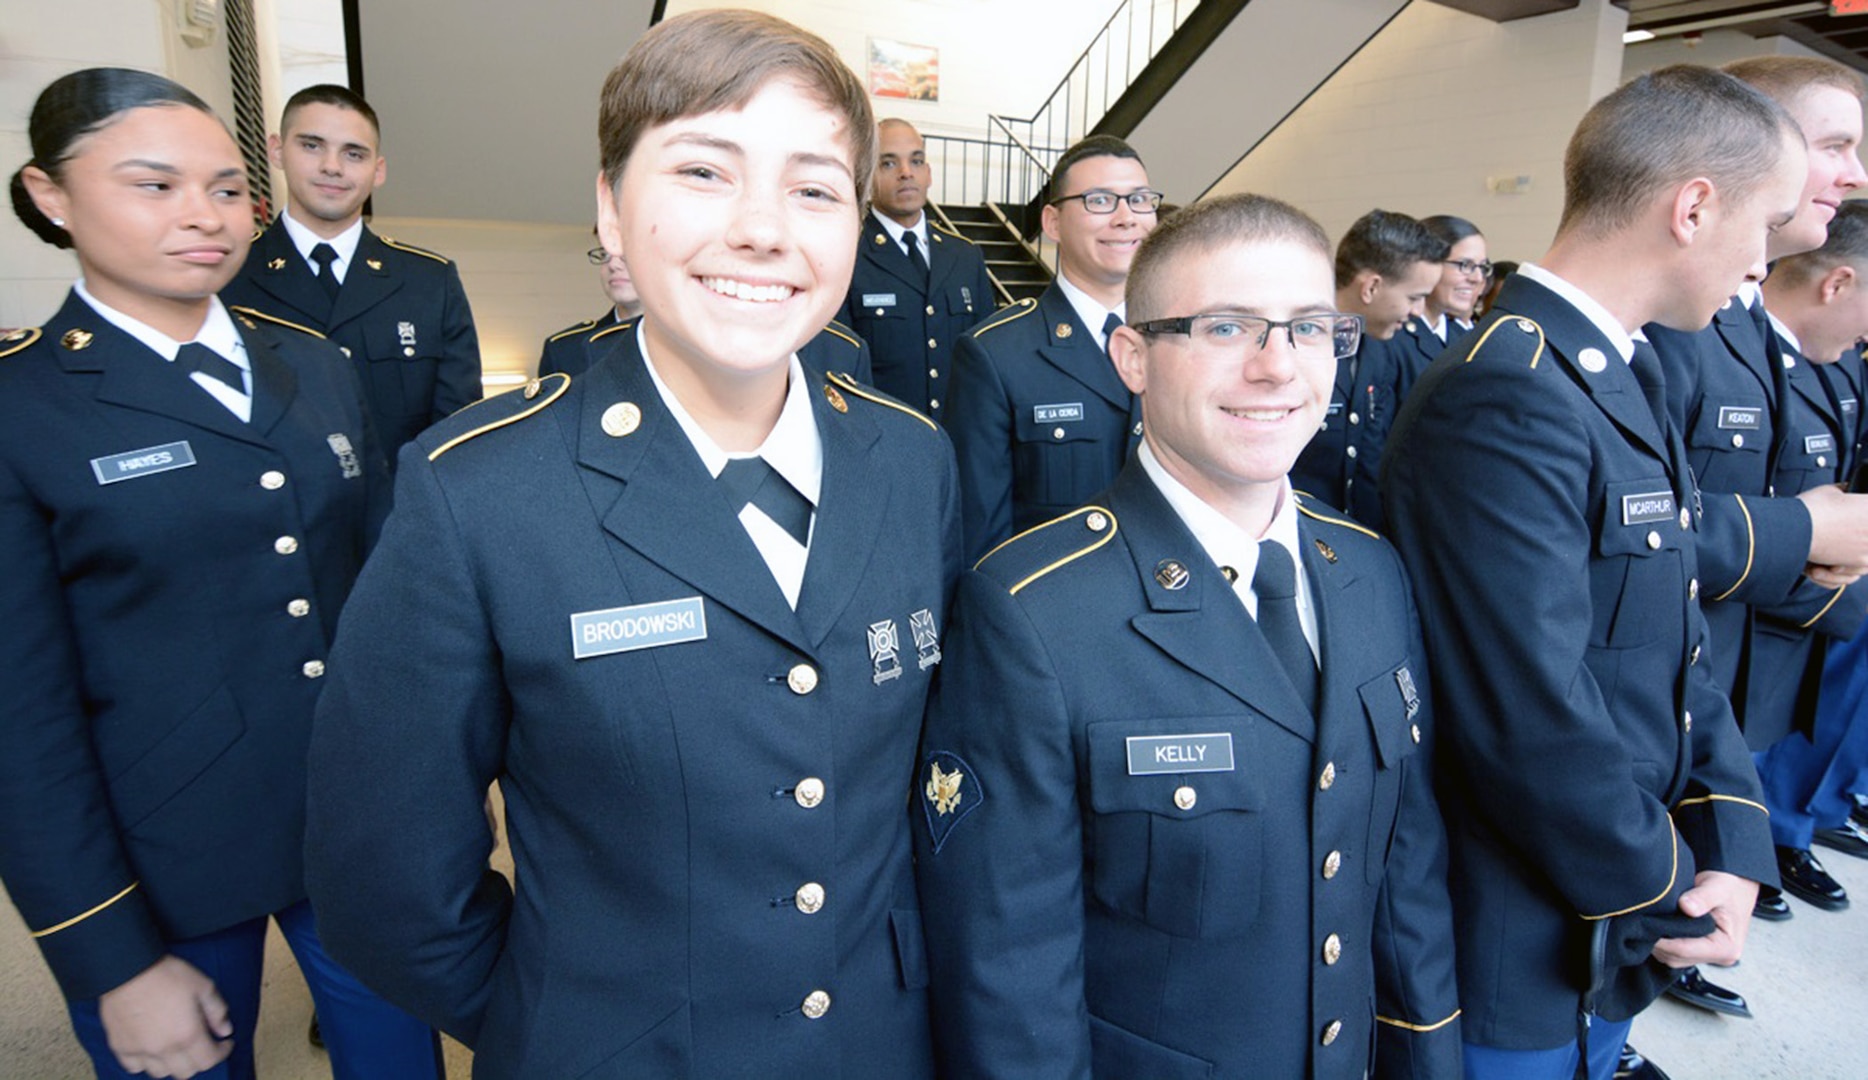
(59, 221)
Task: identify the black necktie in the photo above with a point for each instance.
(1109, 328)
(913, 240)
(195, 356)
(753, 480)
(1275, 585)
(326, 256)
(1646, 368)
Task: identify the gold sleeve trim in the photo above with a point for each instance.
(563, 383)
(413, 250)
(76, 919)
(843, 332)
(1751, 549)
(1018, 311)
(578, 329)
(1404, 1025)
(1108, 535)
(1698, 799)
(1672, 876)
(844, 382)
(1344, 522)
(1517, 320)
(258, 314)
(1824, 611)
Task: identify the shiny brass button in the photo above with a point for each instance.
(1185, 797)
(933, 373)
(932, 344)
(345, 349)
(1414, 730)
(1686, 722)
(272, 480)
(313, 669)
(802, 679)
(408, 350)
(1692, 658)
(1332, 949)
(285, 545)
(809, 792)
(1329, 776)
(930, 309)
(1686, 517)
(1057, 433)
(1653, 540)
(1097, 521)
(1355, 418)
(1332, 863)
(1331, 1031)
(1351, 451)
(810, 897)
(1821, 461)
(816, 1004)
(1738, 440)
(298, 609)
(935, 404)
(1692, 589)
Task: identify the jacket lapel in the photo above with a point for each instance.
(282, 272)
(853, 501)
(666, 508)
(887, 256)
(274, 382)
(1201, 625)
(367, 283)
(134, 377)
(1071, 348)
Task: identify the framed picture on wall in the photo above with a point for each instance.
(900, 70)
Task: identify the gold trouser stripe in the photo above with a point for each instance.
(1380, 1019)
(76, 919)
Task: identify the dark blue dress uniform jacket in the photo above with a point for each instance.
(400, 315)
(1341, 465)
(1592, 766)
(1725, 389)
(711, 837)
(573, 349)
(1040, 420)
(911, 322)
(1277, 919)
(167, 632)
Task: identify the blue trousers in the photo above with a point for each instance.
(1605, 1048)
(368, 1038)
(1807, 779)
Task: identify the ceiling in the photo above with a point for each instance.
(1845, 38)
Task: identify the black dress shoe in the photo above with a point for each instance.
(1693, 988)
(1806, 879)
(1771, 905)
(1848, 838)
(1633, 1066)
(1859, 815)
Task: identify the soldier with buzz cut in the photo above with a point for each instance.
(396, 310)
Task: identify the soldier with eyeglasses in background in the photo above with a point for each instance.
(1039, 418)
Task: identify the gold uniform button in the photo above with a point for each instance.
(621, 419)
(933, 373)
(298, 609)
(1738, 440)
(1332, 863)
(935, 404)
(1332, 949)
(1692, 589)
(810, 897)
(1414, 731)
(1057, 433)
(285, 545)
(1692, 658)
(1355, 418)
(932, 344)
(1686, 516)
(1097, 521)
(1653, 540)
(930, 309)
(1686, 722)
(1821, 461)
(1329, 776)
(1185, 797)
(272, 480)
(1331, 1030)
(408, 350)
(816, 1004)
(809, 792)
(1351, 451)
(313, 669)
(345, 349)
(802, 679)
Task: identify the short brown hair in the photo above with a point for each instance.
(1204, 226)
(1786, 78)
(1665, 128)
(1091, 146)
(706, 61)
(1847, 245)
(329, 94)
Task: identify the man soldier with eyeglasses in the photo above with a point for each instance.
(1176, 813)
(1386, 264)
(1605, 821)
(573, 349)
(1039, 418)
(918, 285)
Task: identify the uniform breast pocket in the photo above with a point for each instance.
(962, 304)
(1175, 837)
(1391, 702)
(1727, 441)
(403, 355)
(1637, 583)
(1055, 453)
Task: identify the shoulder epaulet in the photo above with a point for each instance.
(413, 250)
(580, 328)
(1016, 311)
(16, 340)
(608, 330)
(1039, 550)
(838, 381)
(950, 232)
(507, 408)
(843, 332)
(255, 313)
(1333, 519)
(1516, 324)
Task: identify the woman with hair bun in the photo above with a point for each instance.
(186, 495)
(1451, 306)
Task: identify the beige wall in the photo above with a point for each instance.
(1435, 105)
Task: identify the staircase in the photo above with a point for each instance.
(1016, 268)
